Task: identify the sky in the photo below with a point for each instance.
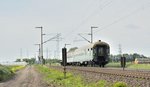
(124, 22)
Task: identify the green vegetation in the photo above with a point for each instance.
(16, 68)
(27, 60)
(129, 65)
(139, 66)
(101, 83)
(120, 84)
(56, 78)
(117, 64)
(129, 57)
(45, 61)
(7, 72)
(52, 61)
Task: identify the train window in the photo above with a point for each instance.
(94, 52)
(91, 49)
(108, 50)
(100, 52)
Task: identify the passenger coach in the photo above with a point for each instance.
(93, 54)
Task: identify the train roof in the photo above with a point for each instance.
(72, 49)
(99, 42)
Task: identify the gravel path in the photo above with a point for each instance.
(27, 77)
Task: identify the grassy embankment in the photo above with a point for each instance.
(56, 78)
(7, 72)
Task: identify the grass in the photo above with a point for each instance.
(56, 78)
(7, 72)
(16, 68)
(139, 66)
(129, 65)
(120, 84)
(117, 64)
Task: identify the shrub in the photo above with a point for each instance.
(120, 84)
(5, 73)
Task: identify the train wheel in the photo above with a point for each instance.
(93, 64)
(90, 63)
(100, 65)
(103, 65)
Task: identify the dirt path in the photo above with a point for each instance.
(27, 77)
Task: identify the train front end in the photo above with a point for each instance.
(101, 52)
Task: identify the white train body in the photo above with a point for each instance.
(85, 55)
(81, 54)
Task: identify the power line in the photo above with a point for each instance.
(56, 38)
(84, 38)
(122, 18)
(52, 38)
(88, 17)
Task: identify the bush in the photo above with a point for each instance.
(120, 84)
(5, 73)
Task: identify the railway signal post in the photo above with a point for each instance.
(123, 62)
(64, 59)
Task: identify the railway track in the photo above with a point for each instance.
(134, 78)
(141, 74)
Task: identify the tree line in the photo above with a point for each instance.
(113, 58)
(34, 61)
(129, 57)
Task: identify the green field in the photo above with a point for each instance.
(117, 64)
(139, 66)
(130, 65)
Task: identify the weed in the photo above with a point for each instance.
(120, 84)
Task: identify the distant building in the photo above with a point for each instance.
(142, 61)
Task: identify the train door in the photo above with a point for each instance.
(99, 55)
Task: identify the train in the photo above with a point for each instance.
(94, 54)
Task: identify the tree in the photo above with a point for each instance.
(135, 55)
(29, 61)
(129, 57)
(18, 60)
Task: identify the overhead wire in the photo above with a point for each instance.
(122, 18)
(88, 17)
